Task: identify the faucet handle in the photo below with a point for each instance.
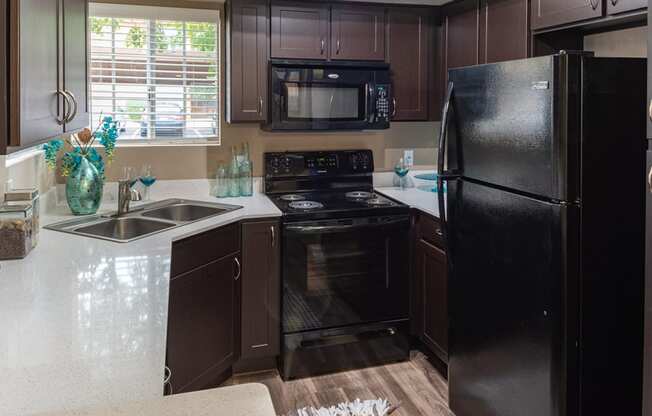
(135, 196)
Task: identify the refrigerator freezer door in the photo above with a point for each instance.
(511, 296)
(511, 124)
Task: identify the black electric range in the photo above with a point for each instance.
(344, 263)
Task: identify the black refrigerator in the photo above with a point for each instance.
(544, 223)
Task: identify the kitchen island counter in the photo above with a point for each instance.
(83, 321)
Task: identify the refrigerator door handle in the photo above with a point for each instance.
(444, 175)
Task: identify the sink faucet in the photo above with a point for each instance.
(126, 194)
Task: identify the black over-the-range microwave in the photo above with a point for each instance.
(308, 95)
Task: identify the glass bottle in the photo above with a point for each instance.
(234, 174)
(222, 182)
(246, 173)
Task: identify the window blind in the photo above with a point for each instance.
(157, 76)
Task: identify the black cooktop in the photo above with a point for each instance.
(325, 204)
(326, 185)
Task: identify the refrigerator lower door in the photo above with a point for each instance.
(512, 301)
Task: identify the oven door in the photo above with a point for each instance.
(307, 98)
(345, 272)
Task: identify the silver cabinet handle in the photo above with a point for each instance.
(649, 180)
(394, 110)
(73, 113)
(260, 108)
(439, 232)
(239, 268)
(323, 46)
(67, 108)
(649, 111)
(339, 44)
(272, 232)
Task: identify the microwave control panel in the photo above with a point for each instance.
(382, 102)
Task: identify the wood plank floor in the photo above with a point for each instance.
(415, 384)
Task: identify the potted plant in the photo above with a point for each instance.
(82, 164)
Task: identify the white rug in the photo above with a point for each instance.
(358, 407)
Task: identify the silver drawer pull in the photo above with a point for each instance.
(439, 232)
(259, 346)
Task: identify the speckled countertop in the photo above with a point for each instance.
(251, 399)
(418, 195)
(83, 321)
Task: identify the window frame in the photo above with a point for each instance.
(172, 14)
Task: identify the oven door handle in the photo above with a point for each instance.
(312, 229)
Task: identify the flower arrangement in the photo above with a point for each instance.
(80, 146)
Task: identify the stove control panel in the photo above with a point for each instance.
(315, 164)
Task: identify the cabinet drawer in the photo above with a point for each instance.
(204, 248)
(429, 229)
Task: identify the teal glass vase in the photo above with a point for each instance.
(84, 188)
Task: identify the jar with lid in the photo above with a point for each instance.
(27, 197)
(15, 231)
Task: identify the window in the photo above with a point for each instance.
(155, 70)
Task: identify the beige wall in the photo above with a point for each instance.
(621, 43)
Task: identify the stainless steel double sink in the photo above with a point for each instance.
(143, 221)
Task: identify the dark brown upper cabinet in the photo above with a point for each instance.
(261, 290)
(248, 42)
(357, 32)
(461, 34)
(549, 13)
(408, 43)
(504, 30)
(621, 6)
(300, 30)
(48, 69)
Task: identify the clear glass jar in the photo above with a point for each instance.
(25, 197)
(15, 231)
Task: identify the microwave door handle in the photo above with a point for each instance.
(368, 96)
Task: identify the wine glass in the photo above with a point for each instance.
(401, 170)
(147, 179)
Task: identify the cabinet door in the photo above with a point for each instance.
(620, 6)
(647, 368)
(649, 79)
(35, 71)
(358, 32)
(248, 64)
(202, 321)
(504, 30)
(75, 61)
(407, 37)
(548, 13)
(261, 289)
(431, 269)
(300, 30)
(4, 125)
(461, 36)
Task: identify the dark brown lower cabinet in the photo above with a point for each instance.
(204, 315)
(261, 290)
(430, 286)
